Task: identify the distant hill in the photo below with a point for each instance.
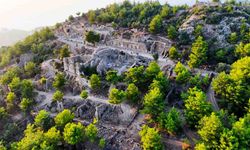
(11, 36)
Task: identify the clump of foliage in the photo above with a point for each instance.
(73, 133)
(170, 121)
(196, 106)
(242, 50)
(153, 102)
(91, 132)
(59, 81)
(92, 37)
(64, 52)
(95, 82)
(57, 96)
(43, 119)
(135, 75)
(233, 38)
(112, 77)
(116, 96)
(35, 138)
(84, 94)
(155, 25)
(198, 54)
(172, 32)
(173, 53)
(152, 71)
(233, 88)
(63, 118)
(132, 93)
(182, 73)
(25, 104)
(150, 138)
(198, 31)
(3, 113)
(30, 69)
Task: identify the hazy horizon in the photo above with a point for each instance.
(29, 14)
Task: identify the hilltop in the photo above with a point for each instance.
(131, 76)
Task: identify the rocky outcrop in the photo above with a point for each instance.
(25, 58)
(217, 25)
(109, 58)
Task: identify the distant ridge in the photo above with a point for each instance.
(11, 36)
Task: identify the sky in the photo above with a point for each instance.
(30, 14)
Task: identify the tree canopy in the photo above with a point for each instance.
(150, 138)
(198, 54)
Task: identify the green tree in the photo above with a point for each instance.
(133, 93)
(210, 128)
(200, 146)
(241, 130)
(3, 113)
(116, 96)
(198, 55)
(59, 81)
(170, 121)
(102, 143)
(71, 18)
(135, 75)
(15, 84)
(64, 117)
(182, 73)
(43, 80)
(91, 16)
(196, 106)
(198, 31)
(153, 102)
(95, 82)
(53, 137)
(242, 50)
(161, 82)
(10, 98)
(7, 77)
(2, 147)
(92, 37)
(58, 96)
(152, 71)
(155, 25)
(25, 104)
(233, 38)
(172, 32)
(233, 88)
(64, 52)
(32, 139)
(243, 28)
(150, 138)
(165, 11)
(112, 76)
(43, 119)
(84, 94)
(27, 89)
(73, 133)
(173, 53)
(91, 132)
(220, 84)
(30, 68)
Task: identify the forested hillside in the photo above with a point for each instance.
(131, 76)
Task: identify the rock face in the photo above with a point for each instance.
(25, 58)
(217, 26)
(110, 58)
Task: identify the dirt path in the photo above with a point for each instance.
(211, 98)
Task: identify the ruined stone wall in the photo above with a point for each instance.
(125, 44)
(72, 65)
